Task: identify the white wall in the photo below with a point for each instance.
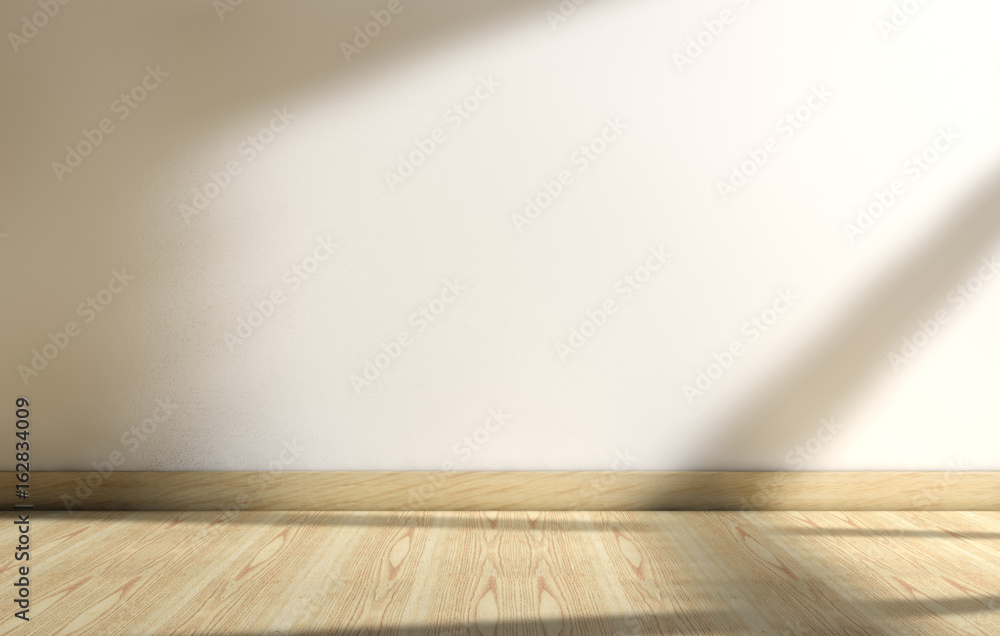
(616, 402)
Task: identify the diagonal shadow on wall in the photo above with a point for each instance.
(839, 365)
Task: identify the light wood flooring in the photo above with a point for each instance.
(507, 573)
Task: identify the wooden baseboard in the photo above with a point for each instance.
(508, 490)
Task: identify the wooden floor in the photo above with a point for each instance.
(516, 573)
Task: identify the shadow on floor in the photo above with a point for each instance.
(692, 622)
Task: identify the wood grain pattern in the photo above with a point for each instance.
(516, 573)
(510, 490)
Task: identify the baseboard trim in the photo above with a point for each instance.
(509, 490)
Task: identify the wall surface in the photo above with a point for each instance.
(501, 234)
